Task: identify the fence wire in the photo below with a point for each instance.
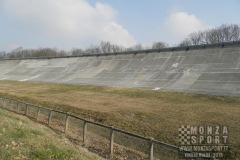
(7, 103)
(98, 139)
(22, 108)
(32, 111)
(1, 101)
(14, 105)
(165, 153)
(75, 128)
(58, 121)
(131, 147)
(43, 115)
(106, 141)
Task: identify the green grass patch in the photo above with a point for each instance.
(19, 133)
(51, 151)
(33, 141)
(11, 116)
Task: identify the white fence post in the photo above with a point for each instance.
(49, 117)
(66, 123)
(150, 149)
(38, 112)
(111, 142)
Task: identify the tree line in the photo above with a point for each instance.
(224, 33)
(103, 47)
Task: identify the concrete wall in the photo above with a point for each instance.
(213, 70)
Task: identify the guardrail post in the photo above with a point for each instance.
(111, 142)
(66, 123)
(84, 132)
(26, 110)
(38, 112)
(49, 117)
(150, 149)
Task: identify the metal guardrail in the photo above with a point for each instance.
(111, 138)
(169, 49)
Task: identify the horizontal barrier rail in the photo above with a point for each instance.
(113, 138)
(169, 49)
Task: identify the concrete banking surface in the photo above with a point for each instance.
(208, 70)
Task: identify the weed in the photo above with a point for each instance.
(51, 151)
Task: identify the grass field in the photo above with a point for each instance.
(21, 138)
(156, 114)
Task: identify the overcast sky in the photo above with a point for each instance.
(67, 24)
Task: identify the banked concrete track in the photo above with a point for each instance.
(208, 69)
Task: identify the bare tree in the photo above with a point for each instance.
(105, 47)
(158, 45)
(42, 52)
(77, 52)
(93, 50)
(224, 33)
(235, 34)
(2, 54)
(117, 48)
(138, 46)
(185, 42)
(196, 38)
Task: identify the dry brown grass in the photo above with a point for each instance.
(145, 112)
